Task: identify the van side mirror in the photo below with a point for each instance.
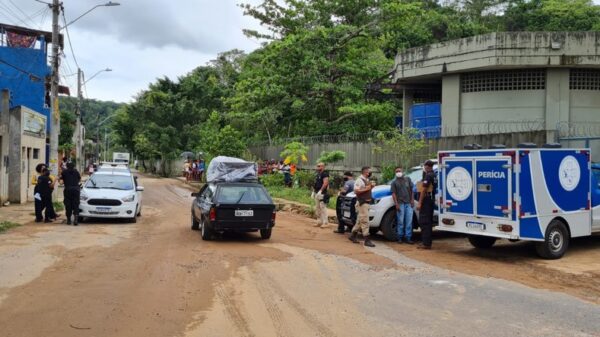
(139, 188)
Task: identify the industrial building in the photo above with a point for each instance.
(504, 83)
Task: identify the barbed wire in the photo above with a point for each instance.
(464, 129)
(578, 129)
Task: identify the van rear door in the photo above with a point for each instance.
(457, 185)
(493, 188)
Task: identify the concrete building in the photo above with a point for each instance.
(506, 83)
(27, 135)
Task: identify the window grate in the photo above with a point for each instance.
(531, 79)
(584, 79)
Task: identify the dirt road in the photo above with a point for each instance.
(158, 278)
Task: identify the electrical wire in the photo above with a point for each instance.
(69, 39)
(27, 17)
(13, 14)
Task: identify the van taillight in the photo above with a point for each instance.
(273, 216)
(505, 228)
(213, 214)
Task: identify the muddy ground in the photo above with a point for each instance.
(158, 278)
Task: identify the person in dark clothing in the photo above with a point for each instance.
(320, 195)
(347, 188)
(38, 205)
(44, 191)
(426, 204)
(71, 179)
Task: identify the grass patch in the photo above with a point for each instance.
(301, 195)
(6, 225)
(58, 206)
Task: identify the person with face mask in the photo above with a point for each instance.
(347, 188)
(320, 195)
(402, 194)
(362, 189)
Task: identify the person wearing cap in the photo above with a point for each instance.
(427, 204)
(71, 179)
(347, 188)
(362, 188)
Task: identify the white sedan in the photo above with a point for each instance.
(111, 194)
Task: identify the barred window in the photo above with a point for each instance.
(584, 79)
(530, 79)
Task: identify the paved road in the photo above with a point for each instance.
(158, 278)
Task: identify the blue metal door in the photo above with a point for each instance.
(493, 180)
(458, 186)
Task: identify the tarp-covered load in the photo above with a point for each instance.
(230, 169)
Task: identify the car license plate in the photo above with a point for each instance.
(347, 215)
(475, 225)
(244, 213)
(103, 209)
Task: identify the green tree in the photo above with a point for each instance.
(294, 152)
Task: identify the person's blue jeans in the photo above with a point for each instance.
(404, 217)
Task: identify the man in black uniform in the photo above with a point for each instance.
(44, 190)
(426, 204)
(71, 179)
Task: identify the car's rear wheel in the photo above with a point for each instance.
(481, 242)
(195, 223)
(556, 241)
(265, 234)
(207, 232)
(389, 226)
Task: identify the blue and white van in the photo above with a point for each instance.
(536, 194)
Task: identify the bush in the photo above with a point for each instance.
(58, 206)
(5, 225)
(388, 172)
(272, 180)
(305, 178)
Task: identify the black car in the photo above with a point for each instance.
(233, 206)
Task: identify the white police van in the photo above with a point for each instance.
(537, 194)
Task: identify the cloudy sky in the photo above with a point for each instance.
(140, 40)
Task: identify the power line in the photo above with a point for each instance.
(69, 39)
(27, 17)
(12, 13)
(33, 77)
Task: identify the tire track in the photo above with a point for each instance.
(310, 319)
(233, 312)
(272, 307)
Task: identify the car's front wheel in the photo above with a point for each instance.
(265, 234)
(134, 218)
(389, 226)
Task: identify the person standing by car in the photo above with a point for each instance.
(71, 179)
(402, 194)
(320, 195)
(43, 191)
(347, 188)
(426, 204)
(362, 189)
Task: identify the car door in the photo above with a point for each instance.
(197, 203)
(205, 202)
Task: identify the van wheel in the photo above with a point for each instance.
(556, 241)
(265, 234)
(481, 242)
(207, 233)
(389, 226)
(195, 223)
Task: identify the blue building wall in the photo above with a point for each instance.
(24, 90)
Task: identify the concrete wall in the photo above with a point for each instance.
(584, 106)
(4, 145)
(482, 107)
(500, 50)
(359, 154)
(23, 146)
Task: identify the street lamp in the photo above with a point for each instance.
(98, 136)
(108, 4)
(98, 73)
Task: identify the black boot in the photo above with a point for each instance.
(368, 242)
(68, 220)
(353, 237)
(75, 220)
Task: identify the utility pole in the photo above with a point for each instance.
(54, 114)
(78, 125)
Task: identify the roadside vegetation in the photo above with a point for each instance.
(58, 206)
(310, 75)
(6, 225)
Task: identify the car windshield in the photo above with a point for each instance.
(415, 175)
(110, 181)
(242, 195)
